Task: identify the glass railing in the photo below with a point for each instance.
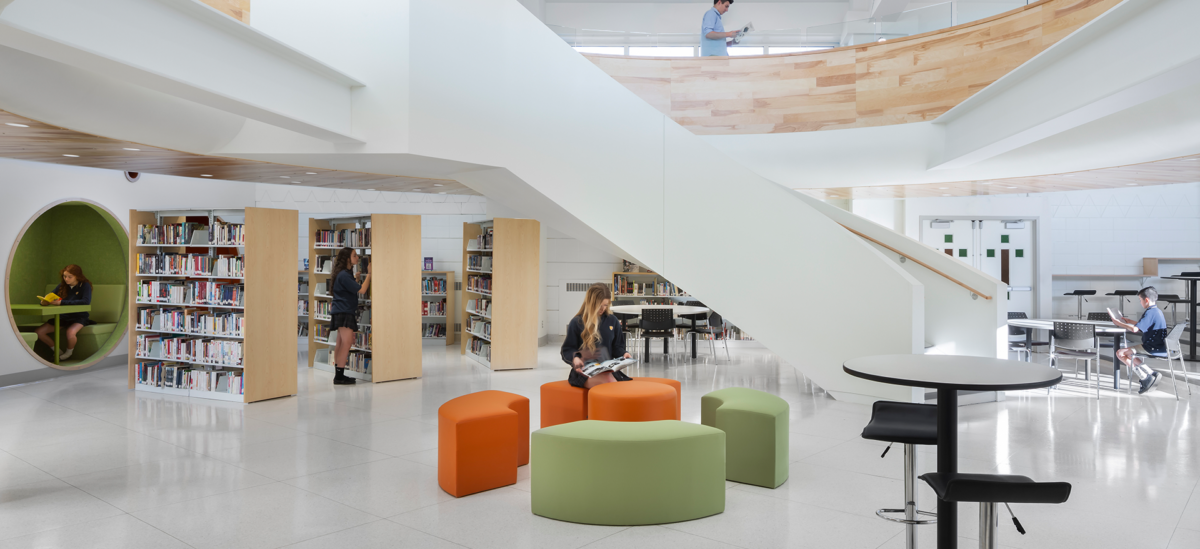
(758, 42)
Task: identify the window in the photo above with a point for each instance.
(949, 238)
(745, 50)
(662, 51)
(791, 49)
(1004, 239)
(605, 50)
(991, 253)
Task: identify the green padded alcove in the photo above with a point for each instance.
(71, 232)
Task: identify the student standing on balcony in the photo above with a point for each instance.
(712, 31)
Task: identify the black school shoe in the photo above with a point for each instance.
(344, 381)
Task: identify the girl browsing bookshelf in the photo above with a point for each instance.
(345, 290)
(594, 335)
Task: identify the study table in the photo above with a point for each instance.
(675, 309)
(1191, 318)
(950, 374)
(1104, 328)
(47, 310)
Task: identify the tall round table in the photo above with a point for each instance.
(950, 374)
(1104, 328)
(675, 309)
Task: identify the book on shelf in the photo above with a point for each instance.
(594, 368)
(191, 321)
(427, 265)
(483, 241)
(339, 238)
(192, 292)
(480, 306)
(478, 327)
(172, 234)
(481, 349)
(433, 330)
(479, 284)
(216, 352)
(433, 308)
(325, 264)
(302, 307)
(433, 285)
(364, 316)
(321, 307)
(479, 263)
(227, 234)
(359, 362)
(221, 266)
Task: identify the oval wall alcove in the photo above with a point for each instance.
(71, 232)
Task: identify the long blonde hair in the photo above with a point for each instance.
(595, 295)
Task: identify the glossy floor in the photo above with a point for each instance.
(86, 463)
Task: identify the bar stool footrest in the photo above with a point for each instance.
(882, 513)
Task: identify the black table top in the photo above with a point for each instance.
(968, 373)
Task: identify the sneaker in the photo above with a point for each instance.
(344, 381)
(1154, 380)
(1149, 382)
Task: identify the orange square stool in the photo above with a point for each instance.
(678, 392)
(482, 438)
(563, 403)
(632, 401)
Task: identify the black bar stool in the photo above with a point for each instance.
(1079, 301)
(1121, 295)
(908, 424)
(989, 490)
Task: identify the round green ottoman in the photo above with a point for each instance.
(756, 430)
(623, 473)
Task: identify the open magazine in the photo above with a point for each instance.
(737, 38)
(592, 369)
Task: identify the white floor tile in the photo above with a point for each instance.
(119, 532)
(383, 488)
(163, 482)
(297, 456)
(46, 505)
(381, 534)
(70, 458)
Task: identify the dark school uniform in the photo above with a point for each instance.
(611, 345)
(345, 301)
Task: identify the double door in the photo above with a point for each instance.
(1003, 249)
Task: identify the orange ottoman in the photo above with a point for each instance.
(678, 392)
(482, 438)
(632, 401)
(563, 403)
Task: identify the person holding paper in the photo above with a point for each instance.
(594, 334)
(712, 30)
(1153, 327)
(73, 289)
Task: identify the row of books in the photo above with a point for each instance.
(481, 349)
(479, 284)
(433, 330)
(227, 234)
(479, 263)
(482, 307)
(433, 308)
(322, 333)
(232, 266)
(192, 321)
(179, 376)
(433, 285)
(622, 285)
(321, 307)
(359, 362)
(172, 234)
(479, 327)
(216, 352)
(302, 307)
(354, 238)
(362, 338)
(192, 292)
(484, 240)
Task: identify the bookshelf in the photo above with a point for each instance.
(500, 266)
(437, 293)
(211, 303)
(302, 294)
(644, 285)
(394, 314)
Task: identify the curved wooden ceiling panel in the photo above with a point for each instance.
(911, 79)
(25, 139)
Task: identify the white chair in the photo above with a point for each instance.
(1175, 352)
(1077, 341)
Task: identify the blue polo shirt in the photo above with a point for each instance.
(1153, 326)
(712, 23)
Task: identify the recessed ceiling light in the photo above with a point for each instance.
(15, 125)
(310, 173)
(205, 175)
(1131, 184)
(416, 190)
(129, 149)
(370, 189)
(438, 185)
(285, 177)
(1010, 187)
(943, 188)
(441, 193)
(945, 195)
(883, 39)
(72, 155)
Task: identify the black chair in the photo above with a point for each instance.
(908, 424)
(628, 321)
(1121, 295)
(1172, 300)
(657, 323)
(1077, 341)
(1078, 294)
(1019, 346)
(688, 322)
(713, 326)
(988, 490)
(1101, 316)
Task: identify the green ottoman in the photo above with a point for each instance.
(622, 473)
(756, 431)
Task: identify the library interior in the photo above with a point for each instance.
(638, 281)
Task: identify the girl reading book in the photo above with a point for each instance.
(73, 289)
(594, 335)
(345, 290)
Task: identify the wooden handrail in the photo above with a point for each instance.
(921, 263)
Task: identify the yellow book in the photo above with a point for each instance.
(50, 297)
